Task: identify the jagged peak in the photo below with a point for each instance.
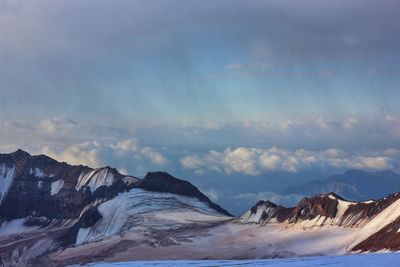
(265, 203)
(21, 153)
(331, 195)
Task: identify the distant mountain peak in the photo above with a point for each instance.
(21, 154)
(333, 195)
(353, 184)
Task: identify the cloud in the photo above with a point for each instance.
(132, 145)
(126, 145)
(56, 125)
(79, 154)
(255, 161)
(240, 160)
(377, 163)
(247, 147)
(212, 194)
(154, 156)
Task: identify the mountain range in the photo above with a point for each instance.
(356, 185)
(56, 214)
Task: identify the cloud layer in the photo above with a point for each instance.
(254, 161)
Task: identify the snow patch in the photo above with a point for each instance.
(125, 211)
(262, 210)
(6, 179)
(95, 179)
(365, 260)
(37, 172)
(82, 235)
(14, 227)
(384, 218)
(56, 186)
(40, 184)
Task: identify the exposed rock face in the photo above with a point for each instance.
(388, 238)
(377, 222)
(41, 186)
(310, 208)
(266, 211)
(46, 205)
(48, 208)
(164, 182)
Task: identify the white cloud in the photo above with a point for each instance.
(132, 146)
(126, 145)
(242, 160)
(191, 162)
(211, 194)
(155, 156)
(364, 162)
(85, 154)
(350, 122)
(254, 161)
(56, 125)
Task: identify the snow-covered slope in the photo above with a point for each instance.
(47, 205)
(53, 214)
(369, 221)
(6, 178)
(138, 208)
(365, 260)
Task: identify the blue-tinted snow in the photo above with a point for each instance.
(364, 260)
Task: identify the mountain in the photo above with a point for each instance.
(46, 206)
(369, 225)
(356, 185)
(55, 214)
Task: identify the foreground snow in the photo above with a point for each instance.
(364, 260)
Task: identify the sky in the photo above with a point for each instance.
(242, 98)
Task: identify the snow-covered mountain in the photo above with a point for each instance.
(55, 214)
(356, 185)
(374, 224)
(47, 206)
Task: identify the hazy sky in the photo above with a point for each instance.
(239, 92)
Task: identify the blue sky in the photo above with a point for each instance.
(215, 92)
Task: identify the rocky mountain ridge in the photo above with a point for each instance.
(38, 192)
(377, 221)
(53, 214)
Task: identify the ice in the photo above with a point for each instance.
(120, 213)
(95, 179)
(14, 227)
(6, 179)
(249, 217)
(364, 260)
(37, 172)
(384, 218)
(56, 186)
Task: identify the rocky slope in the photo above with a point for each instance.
(376, 222)
(47, 205)
(55, 214)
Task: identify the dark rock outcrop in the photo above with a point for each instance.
(164, 182)
(30, 192)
